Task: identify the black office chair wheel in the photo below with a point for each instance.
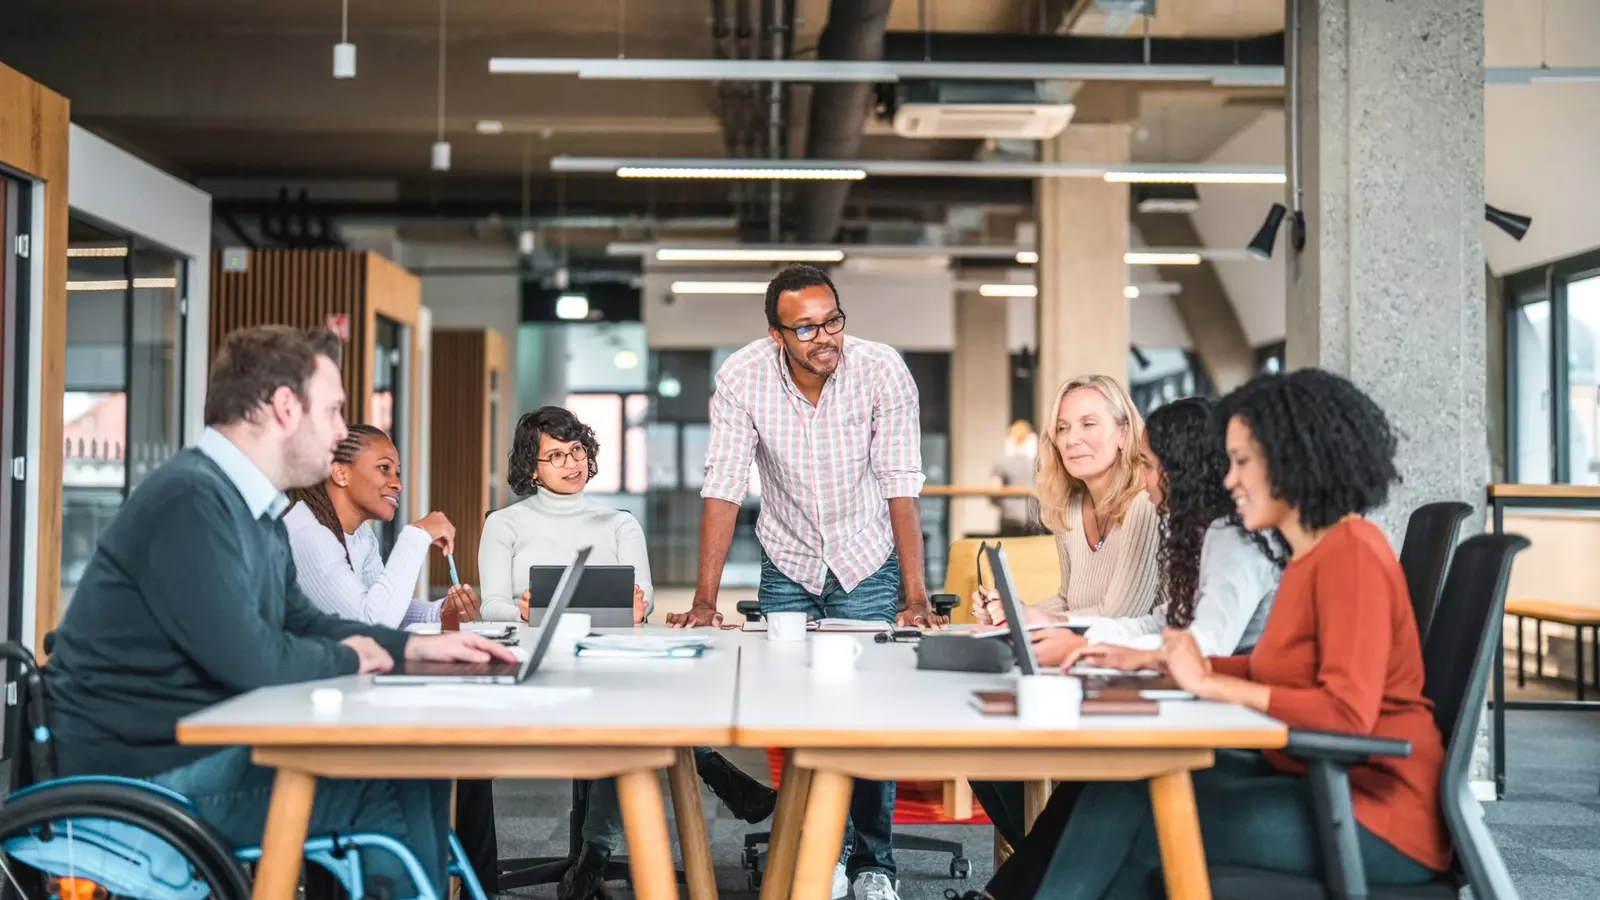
(960, 867)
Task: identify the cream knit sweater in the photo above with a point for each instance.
(1119, 579)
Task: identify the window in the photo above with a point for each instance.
(1553, 369)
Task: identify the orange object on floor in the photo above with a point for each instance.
(915, 802)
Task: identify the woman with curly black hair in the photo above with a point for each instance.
(1216, 579)
(1309, 455)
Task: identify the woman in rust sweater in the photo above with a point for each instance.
(1308, 455)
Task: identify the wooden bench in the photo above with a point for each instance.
(1576, 615)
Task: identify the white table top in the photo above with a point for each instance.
(887, 702)
(567, 701)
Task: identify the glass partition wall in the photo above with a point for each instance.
(123, 405)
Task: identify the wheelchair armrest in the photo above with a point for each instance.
(943, 604)
(1341, 749)
(750, 609)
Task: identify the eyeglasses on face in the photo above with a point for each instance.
(808, 333)
(562, 458)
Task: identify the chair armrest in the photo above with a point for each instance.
(750, 609)
(1341, 748)
(943, 604)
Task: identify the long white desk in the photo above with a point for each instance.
(638, 718)
(888, 721)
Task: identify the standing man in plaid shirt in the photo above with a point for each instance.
(833, 425)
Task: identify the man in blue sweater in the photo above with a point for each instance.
(190, 599)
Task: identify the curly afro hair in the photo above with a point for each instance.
(1193, 463)
(561, 425)
(1329, 449)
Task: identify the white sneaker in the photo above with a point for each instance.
(841, 884)
(875, 886)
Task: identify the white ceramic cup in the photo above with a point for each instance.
(1049, 701)
(571, 628)
(834, 655)
(786, 626)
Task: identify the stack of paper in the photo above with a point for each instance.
(644, 646)
(853, 625)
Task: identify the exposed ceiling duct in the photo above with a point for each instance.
(855, 31)
(1266, 50)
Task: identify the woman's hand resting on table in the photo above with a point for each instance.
(1112, 656)
(1181, 657)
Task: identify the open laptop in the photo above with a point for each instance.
(1021, 646)
(604, 592)
(498, 672)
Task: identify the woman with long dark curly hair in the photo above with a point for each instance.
(1310, 455)
(1216, 579)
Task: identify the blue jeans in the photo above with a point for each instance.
(869, 831)
(602, 815)
(231, 793)
(1250, 815)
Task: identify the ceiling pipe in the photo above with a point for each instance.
(900, 46)
(839, 111)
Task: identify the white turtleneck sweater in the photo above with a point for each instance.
(548, 529)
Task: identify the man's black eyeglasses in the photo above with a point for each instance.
(808, 333)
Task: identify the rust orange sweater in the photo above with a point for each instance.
(1340, 653)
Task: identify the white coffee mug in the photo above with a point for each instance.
(786, 626)
(1049, 701)
(570, 629)
(834, 655)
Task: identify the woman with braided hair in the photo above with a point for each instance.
(1309, 455)
(336, 555)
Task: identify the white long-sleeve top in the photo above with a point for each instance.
(364, 589)
(548, 529)
(1237, 584)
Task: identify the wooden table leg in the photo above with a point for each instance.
(1035, 794)
(644, 819)
(784, 842)
(1183, 856)
(827, 807)
(684, 780)
(283, 843)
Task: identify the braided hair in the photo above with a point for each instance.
(1329, 449)
(316, 497)
(1193, 464)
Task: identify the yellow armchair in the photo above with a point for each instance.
(1034, 566)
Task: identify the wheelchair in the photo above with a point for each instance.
(97, 837)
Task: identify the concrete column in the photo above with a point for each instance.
(980, 400)
(1389, 291)
(1083, 233)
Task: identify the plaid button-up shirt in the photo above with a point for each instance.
(827, 471)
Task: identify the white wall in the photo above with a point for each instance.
(1543, 140)
(131, 195)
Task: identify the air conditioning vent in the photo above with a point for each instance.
(1023, 121)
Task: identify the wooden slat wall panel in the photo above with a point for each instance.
(33, 142)
(459, 476)
(300, 288)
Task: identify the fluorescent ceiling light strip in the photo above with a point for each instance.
(719, 287)
(1161, 258)
(744, 254)
(121, 284)
(97, 252)
(1008, 290)
(1027, 257)
(766, 174)
(885, 71)
(856, 169)
(1511, 75)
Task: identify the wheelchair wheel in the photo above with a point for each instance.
(94, 841)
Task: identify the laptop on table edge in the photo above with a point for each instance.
(498, 672)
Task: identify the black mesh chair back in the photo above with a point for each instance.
(1458, 657)
(1425, 554)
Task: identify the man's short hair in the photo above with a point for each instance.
(796, 278)
(255, 362)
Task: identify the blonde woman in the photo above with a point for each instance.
(1090, 490)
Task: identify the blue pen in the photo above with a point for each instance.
(454, 578)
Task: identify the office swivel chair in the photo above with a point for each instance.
(1425, 554)
(1457, 659)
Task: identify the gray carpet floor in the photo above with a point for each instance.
(1547, 828)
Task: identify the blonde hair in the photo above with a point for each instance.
(1055, 487)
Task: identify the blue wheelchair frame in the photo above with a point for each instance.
(129, 861)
